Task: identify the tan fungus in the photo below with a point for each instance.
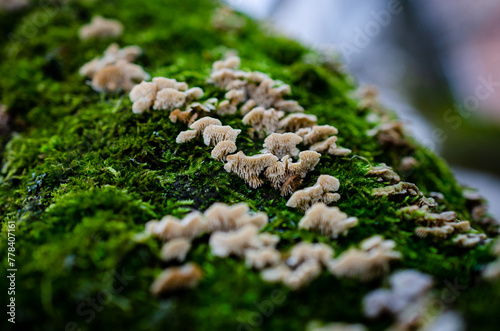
(320, 192)
(281, 171)
(330, 146)
(170, 227)
(316, 133)
(101, 27)
(369, 262)
(470, 240)
(223, 149)
(175, 249)
(185, 136)
(294, 122)
(174, 278)
(282, 144)
(402, 188)
(384, 172)
(223, 244)
(264, 121)
(249, 168)
(214, 134)
(330, 222)
(262, 257)
(304, 251)
(119, 76)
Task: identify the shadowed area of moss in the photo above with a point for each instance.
(83, 174)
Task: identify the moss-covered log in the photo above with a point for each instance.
(82, 174)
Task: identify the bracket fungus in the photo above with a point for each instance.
(391, 134)
(235, 242)
(329, 146)
(143, 96)
(469, 240)
(303, 274)
(402, 188)
(162, 94)
(185, 136)
(169, 227)
(282, 144)
(249, 168)
(252, 88)
(301, 267)
(264, 121)
(330, 222)
(262, 257)
(119, 76)
(175, 249)
(287, 175)
(221, 217)
(294, 122)
(214, 134)
(384, 172)
(114, 71)
(316, 133)
(369, 262)
(436, 224)
(304, 251)
(175, 278)
(223, 149)
(197, 129)
(405, 300)
(319, 192)
(100, 27)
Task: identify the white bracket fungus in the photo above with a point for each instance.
(174, 278)
(214, 134)
(249, 168)
(223, 149)
(170, 227)
(312, 135)
(175, 249)
(100, 27)
(369, 262)
(286, 175)
(282, 144)
(294, 122)
(384, 172)
(320, 192)
(330, 222)
(264, 121)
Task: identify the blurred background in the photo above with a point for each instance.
(436, 63)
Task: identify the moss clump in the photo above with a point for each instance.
(84, 174)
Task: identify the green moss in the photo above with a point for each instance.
(84, 174)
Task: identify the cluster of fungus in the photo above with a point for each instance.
(322, 191)
(257, 92)
(406, 300)
(162, 94)
(114, 71)
(235, 232)
(409, 302)
(370, 261)
(101, 27)
(330, 222)
(441, 225)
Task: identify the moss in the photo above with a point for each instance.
(84, 174)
